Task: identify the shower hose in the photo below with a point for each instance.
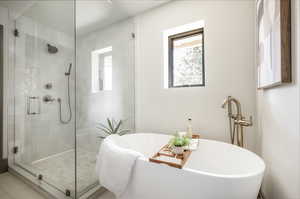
(69, 105)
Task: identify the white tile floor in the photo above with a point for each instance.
(107, 195)
(59, 169)
(12, 187)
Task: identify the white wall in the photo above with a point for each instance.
(279, 132)
(229, 66)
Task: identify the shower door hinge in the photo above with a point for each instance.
(68, 192)
(133, 35)
(40, 177)
(16, 33)
(15, 150)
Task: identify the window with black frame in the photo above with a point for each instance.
(186, 59)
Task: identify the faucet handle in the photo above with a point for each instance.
(48, 99)
(244, 122)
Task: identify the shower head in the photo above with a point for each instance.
(69, 70)
(52, 49)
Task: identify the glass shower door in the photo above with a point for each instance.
(104, 90)
(58, 104)
(44, 95)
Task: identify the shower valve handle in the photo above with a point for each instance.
(48, 99)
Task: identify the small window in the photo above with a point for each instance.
(186, 59)
(107, 73)
(102, 67)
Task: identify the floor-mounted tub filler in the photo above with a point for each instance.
(216, 170)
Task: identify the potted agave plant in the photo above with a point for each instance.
(178, 144)
(112, 127)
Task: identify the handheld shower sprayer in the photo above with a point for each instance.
(224, 102)
(67, 74)
(69, 70)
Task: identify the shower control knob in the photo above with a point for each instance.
(48, 99)
(48, 86)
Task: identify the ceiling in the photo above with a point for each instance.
(18, 6)
(91, 15)
(102, 13)
(56, 14)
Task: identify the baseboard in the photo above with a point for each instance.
(93, 193)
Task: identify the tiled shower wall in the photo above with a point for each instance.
(42, 135)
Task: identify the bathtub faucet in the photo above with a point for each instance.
(236, 121)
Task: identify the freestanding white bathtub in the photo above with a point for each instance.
(216, 170)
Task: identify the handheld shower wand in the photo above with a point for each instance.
(68, 74)
(69, 70)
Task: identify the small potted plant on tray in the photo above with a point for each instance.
(178, 144)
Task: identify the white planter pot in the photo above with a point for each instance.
(177, 150)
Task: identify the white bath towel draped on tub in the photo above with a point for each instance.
(114, 165)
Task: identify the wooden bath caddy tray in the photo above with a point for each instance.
(177, 161)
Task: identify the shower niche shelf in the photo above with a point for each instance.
(33, 105)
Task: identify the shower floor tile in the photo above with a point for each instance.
(59, 170)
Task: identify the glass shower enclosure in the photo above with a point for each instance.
(44, 93)
(64, 85)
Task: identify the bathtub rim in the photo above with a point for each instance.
(259, 171)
